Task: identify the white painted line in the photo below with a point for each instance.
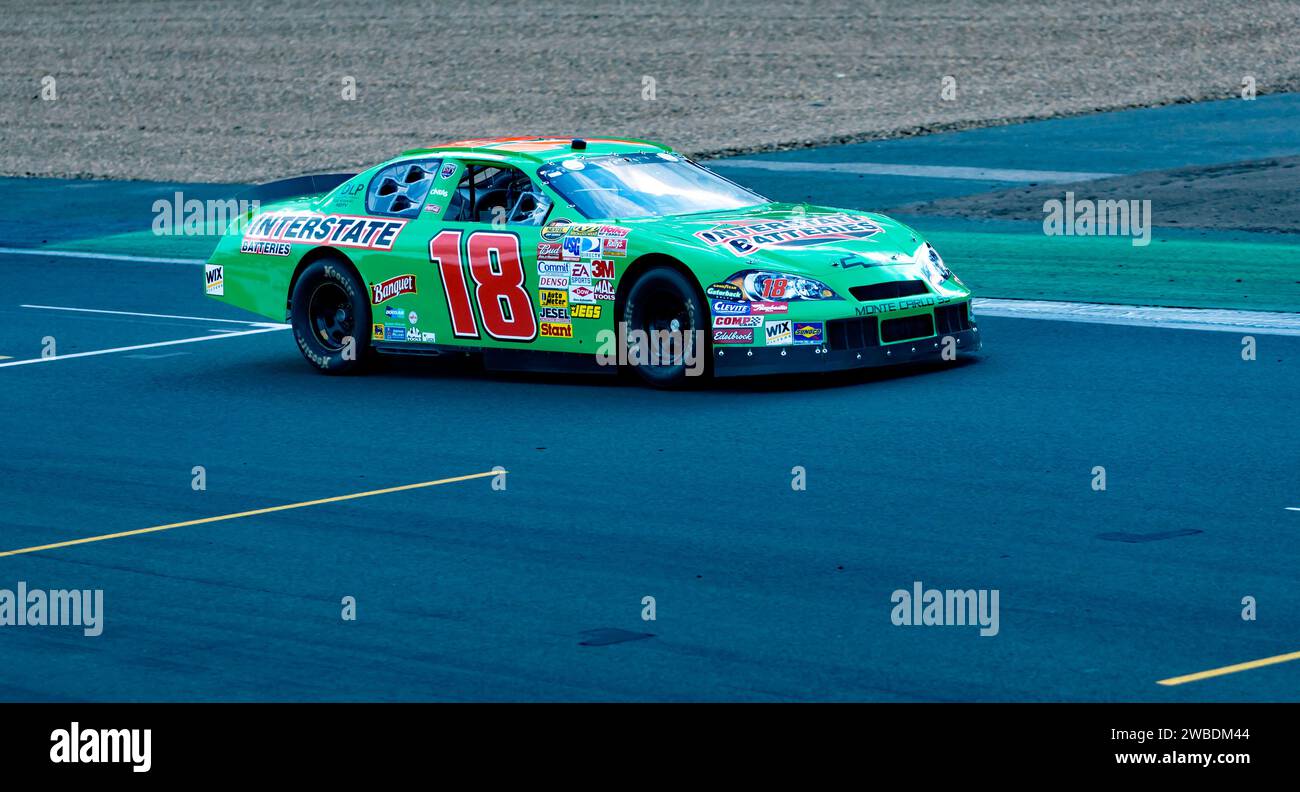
(91, 255)
(1226, 321)
(923, 171)
(151, 315)
(145, 346)
(1293, 508)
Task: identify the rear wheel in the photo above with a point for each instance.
(331, 317)
(667, 325)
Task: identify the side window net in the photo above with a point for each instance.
(489, 194)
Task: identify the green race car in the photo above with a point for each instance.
(599, 255)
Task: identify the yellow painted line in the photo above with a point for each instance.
(252, 513)
(1232, 669)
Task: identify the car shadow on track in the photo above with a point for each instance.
(472, 368)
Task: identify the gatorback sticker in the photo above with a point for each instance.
(314, 228)
(743, 237)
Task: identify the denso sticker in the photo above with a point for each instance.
(743, 237)
(402, 284)
(615, 248)
(809, 332)
(548, 251)
(769, 307)
(745, 336)
(265, 248)
(214, 279)
(553, 297)
(553, 281)
(556, 330)
(582, 294)
(313, 228)
(778, 332)
(585, 311)
(733, 308)
(737, 321)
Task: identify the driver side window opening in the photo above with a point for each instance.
(497, 194)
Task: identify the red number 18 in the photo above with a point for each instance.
(497, 268)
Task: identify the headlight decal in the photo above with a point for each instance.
(773, 286)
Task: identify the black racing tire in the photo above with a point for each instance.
(329, 306)
(663, 298)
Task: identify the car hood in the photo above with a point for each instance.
(841, 247)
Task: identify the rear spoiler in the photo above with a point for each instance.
(298, 186)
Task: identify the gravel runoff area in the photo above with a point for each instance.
(253, 91)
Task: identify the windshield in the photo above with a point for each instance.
(647, 184)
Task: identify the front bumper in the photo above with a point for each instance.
(839, 354)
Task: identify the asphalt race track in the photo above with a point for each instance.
(976, 474)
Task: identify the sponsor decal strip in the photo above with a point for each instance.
(313, 228)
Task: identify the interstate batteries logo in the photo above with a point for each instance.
(318, 229)
(743, 237)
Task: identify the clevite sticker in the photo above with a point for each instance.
(809, 332)
(728, 307)
(778, 332)
(313, 228)
(743, 237)
(402, 284)
(214, 279)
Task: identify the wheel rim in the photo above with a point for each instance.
(329, 313)
(663, 309)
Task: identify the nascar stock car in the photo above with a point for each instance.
(567, 254)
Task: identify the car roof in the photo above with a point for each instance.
(537, 148)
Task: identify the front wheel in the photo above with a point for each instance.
(665, 325)
(330, 315)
